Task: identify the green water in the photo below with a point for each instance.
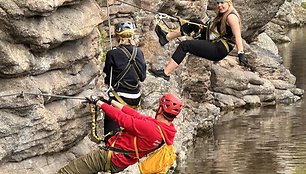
(269, 140)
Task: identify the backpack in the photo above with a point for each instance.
(159, 161)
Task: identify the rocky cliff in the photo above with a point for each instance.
(55, 47)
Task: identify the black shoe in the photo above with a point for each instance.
(161, 35)
(159, 73)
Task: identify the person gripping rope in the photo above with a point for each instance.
(112, 157)
(127, 67)
(222, 36)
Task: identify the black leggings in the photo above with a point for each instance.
(201, 48)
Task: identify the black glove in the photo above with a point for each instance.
(92, 99)
(242, 60)
(107, 100)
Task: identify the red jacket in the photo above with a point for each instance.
(135, 124)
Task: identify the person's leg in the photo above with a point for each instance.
(165, 37)
(109, 126)
(170, 67)
(172, 35)
(185, 30)
(200, 48)
(91, 163)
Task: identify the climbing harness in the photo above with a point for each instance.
(223, 42)
(122, 101)
(119, 79)
(217, 37)
(162, 16)
(160, 20)
(110, 149)
(109, 154)
(131, 64)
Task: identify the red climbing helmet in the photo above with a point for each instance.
(171, 106)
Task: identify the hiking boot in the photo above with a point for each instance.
(159, 73)
(161, 35)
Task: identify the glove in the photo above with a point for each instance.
(242, 60)
(92, 99)
(106, 99)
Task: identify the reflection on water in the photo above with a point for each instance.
(294, 55)
(267, 140)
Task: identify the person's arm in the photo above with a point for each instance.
(233, 22)
(112, 103)
(107, 67)
(135, 125)
(142, 65)
(130, 111)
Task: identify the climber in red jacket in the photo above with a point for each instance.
(114, 157)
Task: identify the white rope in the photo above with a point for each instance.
(109, 25)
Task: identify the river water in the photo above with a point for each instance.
(268, 140)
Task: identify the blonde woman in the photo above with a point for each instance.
(126, 73)
(224, 34)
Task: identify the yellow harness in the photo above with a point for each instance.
(122, 101)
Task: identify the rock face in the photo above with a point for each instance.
(54, 47)
(46, 47)
(290, 14)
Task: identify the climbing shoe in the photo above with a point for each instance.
(161, 35)
(159, 73)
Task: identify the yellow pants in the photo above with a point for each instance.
(91, 163)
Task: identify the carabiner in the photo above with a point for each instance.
(162, 16)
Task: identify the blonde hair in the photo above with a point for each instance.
(223, 16)
(126, 38)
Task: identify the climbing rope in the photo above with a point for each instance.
(22, 94)
(109, 25)
(162, 16)
(133, 5)
(94, 109)
(96, 138)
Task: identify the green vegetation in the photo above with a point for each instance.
(104, 40)
(304, 5)
(103, 36)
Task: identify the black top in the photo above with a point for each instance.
(229, 33)
(117, 59)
